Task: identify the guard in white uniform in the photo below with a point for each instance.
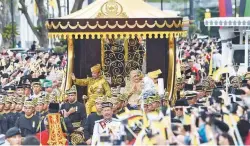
(108, 127)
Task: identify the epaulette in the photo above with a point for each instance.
(116, 120)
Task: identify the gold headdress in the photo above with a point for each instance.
(96, 68)
(154, 74)
(247, 76)
(9, 99)
(40, 100)
(72, 90)
(206, 85)
(100, 99)
(29, 103)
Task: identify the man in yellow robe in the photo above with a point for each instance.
(97, 86)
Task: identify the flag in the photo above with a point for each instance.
(244, 8)
(225, 8)
(52, 3)
(35, 8)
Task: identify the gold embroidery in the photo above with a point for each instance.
(104, 35)
(56, 136)
(76, 124)
(77, 138)
(111, 9)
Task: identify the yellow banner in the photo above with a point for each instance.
(52, 3)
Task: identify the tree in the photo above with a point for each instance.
(5, 19)
(7, 34)
(39, 29)
(59, 8)
(77, 5)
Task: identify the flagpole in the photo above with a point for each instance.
(68, 7)
(235, 11)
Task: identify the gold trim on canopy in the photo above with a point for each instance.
(99, 35)
(52, 25)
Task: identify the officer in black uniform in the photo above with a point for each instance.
(76, 112)
(19, 107)
(28, 122)
(12, 116)
(3, 120)
(90, 122)
(20, 92)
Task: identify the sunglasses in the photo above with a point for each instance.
(181, 109)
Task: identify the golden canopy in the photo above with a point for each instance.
(117, 18)
(119, 9)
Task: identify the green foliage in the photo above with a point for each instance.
(193, 29)
(7, 31)
(201, 16)
(60, 49)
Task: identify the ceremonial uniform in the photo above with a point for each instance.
(36, 83)
(90, 123)
(41, 114)
(56, 126)
(28, 124)
(78, 118)
(10, 115)
(96, 87)
(110, 127)
(178, 91)
(3, 123)
(3, 120)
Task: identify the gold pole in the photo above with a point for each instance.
(126, 49)
(102, 53)
(211, 62)
(171, 66)
(70, 63)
